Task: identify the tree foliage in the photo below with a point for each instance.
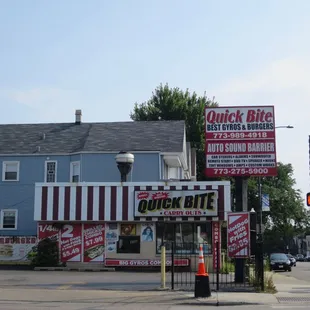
(175, 104)
(288, 216)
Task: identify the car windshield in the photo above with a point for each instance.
(278, 256)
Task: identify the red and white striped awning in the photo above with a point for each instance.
(110, 201)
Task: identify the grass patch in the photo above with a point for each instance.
(269, 286)
(227, 268)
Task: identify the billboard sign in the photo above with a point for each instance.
(238, 234)
(240, 141)
(176, 203)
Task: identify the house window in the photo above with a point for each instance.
(128, 244)
(75, 171)
(184, 236)
(10, 171)
(8, 219)
(50, 171)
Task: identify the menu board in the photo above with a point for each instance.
(71, 243)
(93, 243)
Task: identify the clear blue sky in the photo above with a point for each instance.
(102, 56)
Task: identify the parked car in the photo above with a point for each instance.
(292, 259)
(300, 258)
(280, 261)
(307, 259)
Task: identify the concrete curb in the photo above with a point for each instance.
(72, 269)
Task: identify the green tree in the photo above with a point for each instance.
(175, 104)
(287, 217)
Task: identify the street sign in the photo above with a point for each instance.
(265, 203)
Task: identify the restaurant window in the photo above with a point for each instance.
(185, 237)
(128, 244)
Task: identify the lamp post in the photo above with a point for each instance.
(260, 239)
(124, 161)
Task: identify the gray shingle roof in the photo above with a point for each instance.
(164, 136)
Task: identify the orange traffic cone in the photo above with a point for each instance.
(202, 283)
(201, 264)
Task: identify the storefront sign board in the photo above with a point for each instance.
(238, 234)
(240, 141)
(144, 262)
(176, 203)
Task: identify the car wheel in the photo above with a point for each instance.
(289, 270)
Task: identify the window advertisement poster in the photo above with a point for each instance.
(16, 249)
(128, 229)
(94, 246)
(240, 141)
(48, 231)
(111, 237)
(216, 244)
(147, 232)
(71, 243)
(238, 234)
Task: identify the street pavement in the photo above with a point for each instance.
(31, 290)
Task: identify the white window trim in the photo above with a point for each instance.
(72, 163)
(4, 170)
(45, 170)
(16, 219)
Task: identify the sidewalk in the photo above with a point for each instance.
(288, 287)
(126, 297)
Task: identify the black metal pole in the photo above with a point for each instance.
(239, 262)
(172, 265)
(123, 177)
(260, 236)
(218, 260)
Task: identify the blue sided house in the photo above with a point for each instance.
(79, 152)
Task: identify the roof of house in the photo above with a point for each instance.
(163, 136)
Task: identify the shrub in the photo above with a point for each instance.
(268, 284)
(227, 268)
(45, 254)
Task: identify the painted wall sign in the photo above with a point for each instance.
(238, 234)
(144, 262)
(16, 249)
(176, 203)
(216, 238)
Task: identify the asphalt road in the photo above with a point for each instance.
(80, 280)
(98, 290)
(301, 271)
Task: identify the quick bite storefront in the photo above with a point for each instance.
(126, 224)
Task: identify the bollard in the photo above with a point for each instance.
(163, 267)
